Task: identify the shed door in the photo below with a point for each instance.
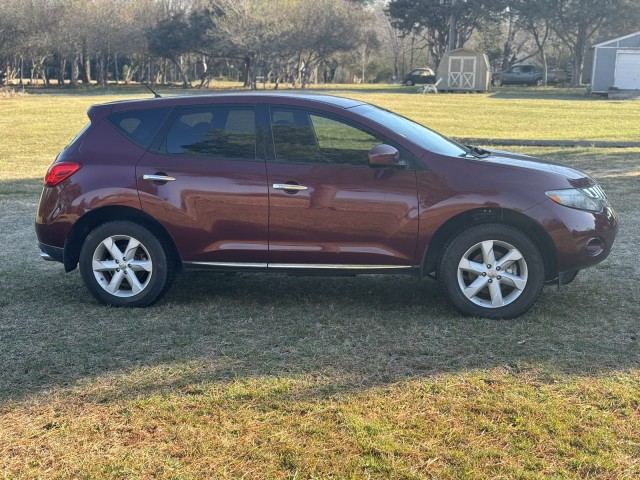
(462, 73)
(627, 73)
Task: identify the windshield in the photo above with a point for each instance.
(412, 131)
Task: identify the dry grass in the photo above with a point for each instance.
(256, 376)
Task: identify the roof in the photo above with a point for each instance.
(460, 50)
(602, 44)
(253, 97)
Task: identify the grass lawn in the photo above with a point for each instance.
(255, 376)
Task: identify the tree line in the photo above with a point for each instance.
(191, 42)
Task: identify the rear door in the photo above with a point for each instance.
(206, 184)
(328, 208)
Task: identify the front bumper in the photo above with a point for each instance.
(581, 239)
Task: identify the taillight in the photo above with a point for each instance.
(59, 172)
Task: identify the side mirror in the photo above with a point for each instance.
(385, 156)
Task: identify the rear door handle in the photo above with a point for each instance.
(158, 177)
(288, 186)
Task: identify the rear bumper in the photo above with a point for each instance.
(51, 253)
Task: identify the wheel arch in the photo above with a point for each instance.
(452, 227)
(97, 217)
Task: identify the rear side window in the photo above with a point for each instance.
(140, 126)
(226, 132)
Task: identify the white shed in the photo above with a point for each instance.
(616, 64)
(464, 70)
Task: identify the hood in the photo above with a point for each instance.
(576, 177)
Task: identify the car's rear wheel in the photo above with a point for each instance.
(123, 264)
(492, 271)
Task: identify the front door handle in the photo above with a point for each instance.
(288, 186)
(158, 177)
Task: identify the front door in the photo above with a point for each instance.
(328, 208)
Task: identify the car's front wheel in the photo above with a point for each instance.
(123, 264)
(492, 271)
(409, 83)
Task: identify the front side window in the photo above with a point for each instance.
(307, 137)
(227, 132)
(411, 131)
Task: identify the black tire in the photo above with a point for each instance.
(502, 290)
(409, 83)
(500, 82)
(540, 82)
(115, 282)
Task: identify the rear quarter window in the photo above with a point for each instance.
(139, 126)
(76, 140)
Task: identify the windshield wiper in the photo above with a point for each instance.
(476, 152)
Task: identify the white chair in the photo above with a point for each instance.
(430, 87)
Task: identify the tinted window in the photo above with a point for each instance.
(77, 138)
(293, 136)
(310, 138)
(140, 126)
(412, 131)
(227, 132)
(342, 143)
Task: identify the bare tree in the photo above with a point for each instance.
(251, 31)
(369, 44)
(12, 33)
(319, 29)
(534, 17)
(575, 22)
(272, 36)
(433, 20)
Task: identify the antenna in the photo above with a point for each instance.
(155, 95)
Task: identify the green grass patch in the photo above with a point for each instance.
(258, 376)
(516, 116)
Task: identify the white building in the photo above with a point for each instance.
(616, 64)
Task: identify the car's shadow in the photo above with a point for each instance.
(354, 332)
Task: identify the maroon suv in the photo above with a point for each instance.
(311, 184)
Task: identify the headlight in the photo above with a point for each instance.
(592, 199)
